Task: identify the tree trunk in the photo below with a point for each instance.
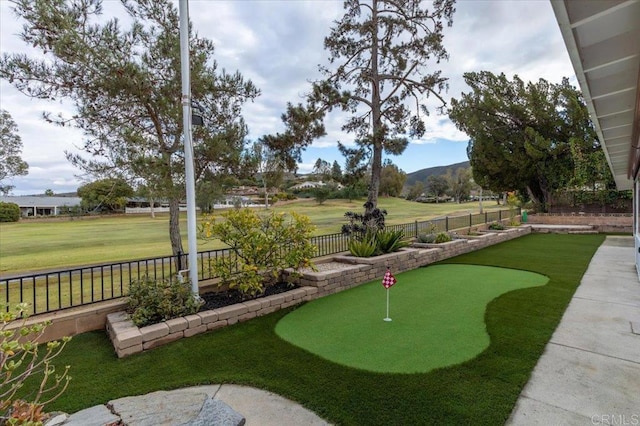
(266, 195)
(536, 200)
(378, 135)
(481, 211)
(174, 226)
(151, 203)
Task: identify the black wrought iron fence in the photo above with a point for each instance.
(65, 288)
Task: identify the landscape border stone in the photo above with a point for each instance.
(338, 273)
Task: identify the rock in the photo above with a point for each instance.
(56, 419)
(216, 412)
(94, 416)
(159, 408)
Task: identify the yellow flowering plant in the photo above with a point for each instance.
(261, 247)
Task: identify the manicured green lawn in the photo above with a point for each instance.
(437, 319)
(482, 390)
(31, 245)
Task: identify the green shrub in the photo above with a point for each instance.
(154, 300)
(9, 212)
(442, 237)
(496, 226)
(427, 238)
(264, 246)
(21, 358)
(390, 241)
(366, 246)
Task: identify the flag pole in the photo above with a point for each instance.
(387, 281)
(387, 317)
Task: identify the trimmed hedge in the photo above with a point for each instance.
(9, 212)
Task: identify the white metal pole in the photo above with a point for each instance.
(387, 317)
(188, 147)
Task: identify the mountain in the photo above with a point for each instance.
(423, 174)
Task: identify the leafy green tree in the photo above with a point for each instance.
(521, 133)
(322, 169)
(269, 167)
(126, 89)
(49, 193)
(379, 51)
(9, 212)
(336, 172)
(590, 166)
(460, 183)
(149, 189)
(354, 170)
(105, 195)
(321, 193)
(437, 185)
(392, 179)
(415, 190)
(11, 163)
(207, 193)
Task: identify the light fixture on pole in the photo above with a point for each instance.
(196, 114)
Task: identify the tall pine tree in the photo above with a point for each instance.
(378, 75)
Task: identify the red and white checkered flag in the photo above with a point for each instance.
(388, 280)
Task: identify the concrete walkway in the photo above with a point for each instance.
(589, 372)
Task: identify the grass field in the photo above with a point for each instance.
(31, 245)
(480, 391)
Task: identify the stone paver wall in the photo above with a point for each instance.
(128, 339)
(601, 223)
(338, 274)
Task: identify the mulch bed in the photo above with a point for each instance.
(231, 297)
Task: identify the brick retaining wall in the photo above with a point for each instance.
(616, 223)
(128, 339)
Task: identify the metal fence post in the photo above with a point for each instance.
(416, 233)
(179, 261)
(446, 223)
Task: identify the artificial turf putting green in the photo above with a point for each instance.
(437, 317)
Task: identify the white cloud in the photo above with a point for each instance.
(279, 44)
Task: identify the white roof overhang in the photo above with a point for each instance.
(603, 41)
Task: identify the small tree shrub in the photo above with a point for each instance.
(154, 300)
(21, 358)
(9, 212)
(263, 247)
(390, 241)
(368, 236)
(360, 223)
(496, 226)
(366, 246)
(442, 237)
(513, 202)
(427, 238)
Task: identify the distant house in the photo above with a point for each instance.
(42, 205)
(312, 185)
(307, 185)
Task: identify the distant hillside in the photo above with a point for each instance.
(422, 175)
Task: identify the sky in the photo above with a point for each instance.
(278, 44)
